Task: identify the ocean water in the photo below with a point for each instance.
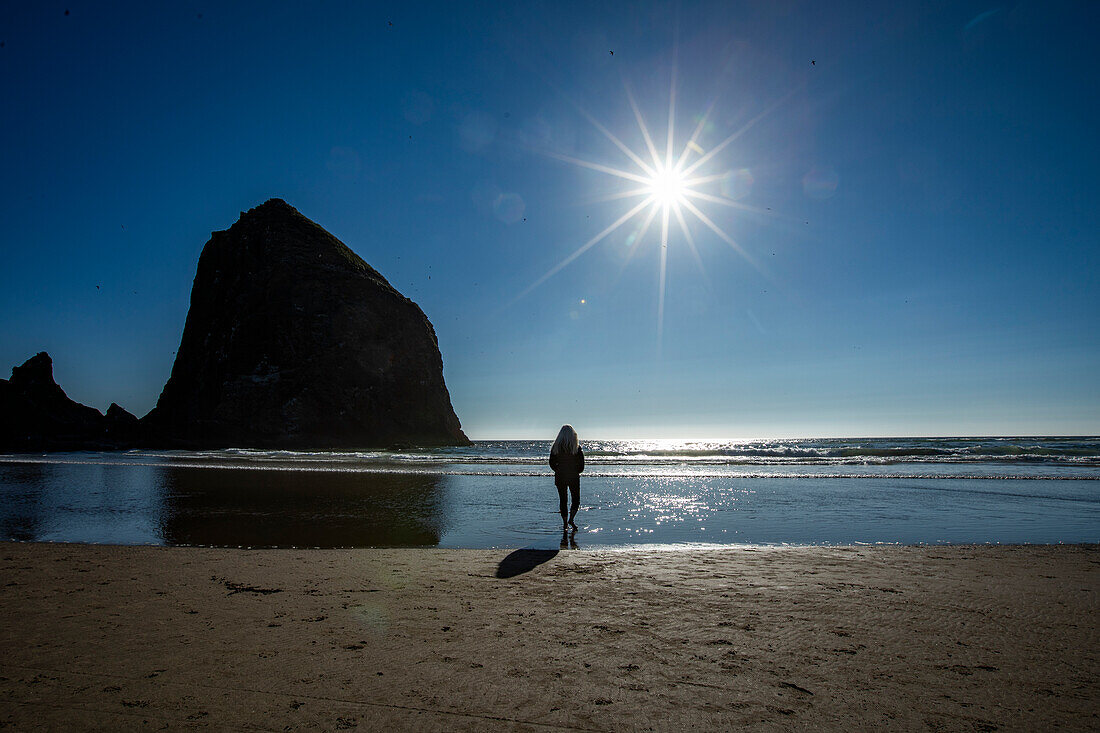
(501, 494)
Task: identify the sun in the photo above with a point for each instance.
(672, 189)
(668, 187)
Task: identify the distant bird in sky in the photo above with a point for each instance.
(813, 63)
(97, 287)
(66, 11)
(611, 52)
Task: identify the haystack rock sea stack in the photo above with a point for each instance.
(293, 341)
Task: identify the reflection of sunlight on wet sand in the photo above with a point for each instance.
(633, 492)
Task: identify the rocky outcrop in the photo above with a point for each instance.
(38, 415)
(293, 341)
(121, 427)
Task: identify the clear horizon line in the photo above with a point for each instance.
(817, 437)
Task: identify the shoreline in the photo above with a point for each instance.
(762, 637)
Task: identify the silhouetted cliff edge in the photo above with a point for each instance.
(291, 341)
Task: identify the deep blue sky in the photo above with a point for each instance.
(927, 239)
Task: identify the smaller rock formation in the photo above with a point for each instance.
(120, 426)
(38, 415)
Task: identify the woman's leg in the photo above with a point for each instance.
(575, 495)
(561, 503)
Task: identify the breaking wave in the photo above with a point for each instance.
(897, 458)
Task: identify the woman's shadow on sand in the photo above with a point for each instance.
(526, 559)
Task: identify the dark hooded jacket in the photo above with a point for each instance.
(567, 467)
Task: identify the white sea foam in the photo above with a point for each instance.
(504, 470)
(863, 458)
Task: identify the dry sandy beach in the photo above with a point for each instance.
(956, 638)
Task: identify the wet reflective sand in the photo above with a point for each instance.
(264, 507)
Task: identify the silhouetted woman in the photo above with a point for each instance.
(567, 460)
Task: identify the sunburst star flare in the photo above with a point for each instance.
(667, 185)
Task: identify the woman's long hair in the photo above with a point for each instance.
(567, 441)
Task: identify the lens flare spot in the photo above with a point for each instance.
(477, 130)
(820, 183)
(509, 207)
(736, 184)
(344, 163)
(372, 618)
